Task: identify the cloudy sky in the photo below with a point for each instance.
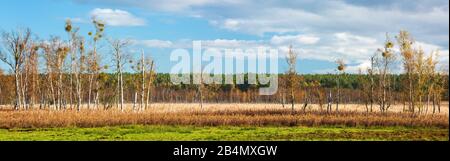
(319, 31)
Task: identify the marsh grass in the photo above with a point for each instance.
(224, 133)
(212, 116)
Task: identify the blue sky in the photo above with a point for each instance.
(319, 31)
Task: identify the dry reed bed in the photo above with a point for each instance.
(243, 117)
(189, 107)
(183, 107)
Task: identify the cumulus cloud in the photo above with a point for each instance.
(296, 39)
(231, 44)
(351, 47)
(116, 17)
(177, 6)
(153, 43)
(319, 30)
(77, 20)
(231, 24)
(442, 55)
(354, 49)
(426, 19)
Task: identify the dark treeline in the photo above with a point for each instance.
(165, 91)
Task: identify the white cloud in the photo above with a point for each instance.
(346, 38)
(359, 67)
(442, 57)
(331, 17)
(426, 47)
(426, 20)
(77, 20)
(349, 69)
(176, 6)
(352, 48)
(296, 39)
(184, 43)
(355, 50)
(153, 43)
(117, 17)
(231, 24)
(308, 40)
(231, 44)
(179, 5)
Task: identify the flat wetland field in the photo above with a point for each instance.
(223, 133)
(244, 122)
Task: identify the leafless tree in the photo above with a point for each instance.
(56, 58)
(200, 89)
(1, 75)
(432, 79)
(55, 52)
(329, 101)
(31, 74)
(142, 67)
(17, 43)
(93, 64)
(73, 44)
(76, 50)
(341, 71)
(384, 64)
(307, 93)
(119, 60)
(79, 69)
(421, 79)
(151, 75)
(143, 80)
(370, 72)
(291, 59)
(408, 54)
(439, 88)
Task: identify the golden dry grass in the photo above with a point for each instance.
(186, 107)
(192, 107)
(217, 115)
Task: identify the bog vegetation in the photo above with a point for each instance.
(64, 81)
(253, 115)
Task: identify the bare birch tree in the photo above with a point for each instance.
(77, 62)
(151, 75)
(367, 81)
(16, 44)
(441, 79)
(140, 67)
(388, 57)
(432, 79)
(31, 74)
(72, 44)
(143, 80)
(53, 54)
(119, 61)
(79, 70)
(1, 98)
(408, 55)
(421, 79)
(200, 88)
(341, 71)
(94, 66)
(291, 59)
